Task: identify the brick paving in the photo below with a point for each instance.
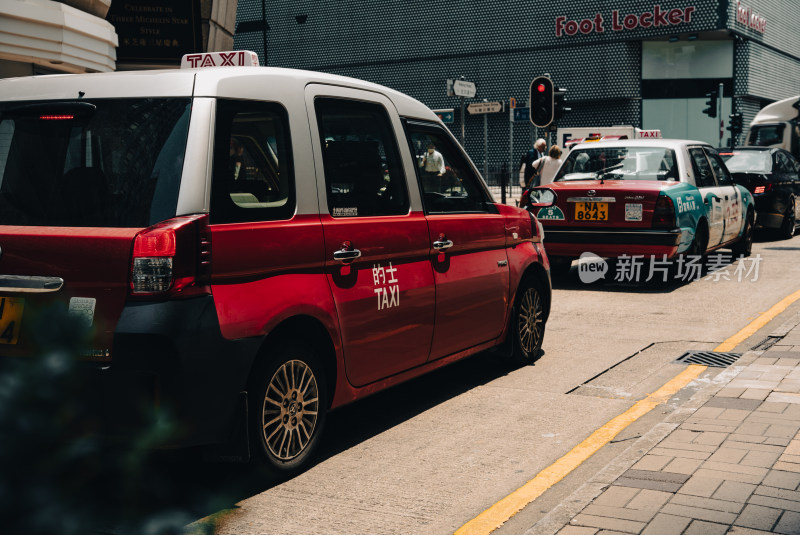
(732, 467)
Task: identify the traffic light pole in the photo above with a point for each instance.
(463, 121)
(486, 146)
(719, 114)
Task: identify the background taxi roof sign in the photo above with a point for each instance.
(234, 58)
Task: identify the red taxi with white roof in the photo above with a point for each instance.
(249, 247)
(656, 198)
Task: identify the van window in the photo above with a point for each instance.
(363, 173)
(449, 185)
(766, 135)
(253, 177)
(104, 163)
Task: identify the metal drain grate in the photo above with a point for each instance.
(766, 343)
(709, 358)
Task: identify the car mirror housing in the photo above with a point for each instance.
(542, 197)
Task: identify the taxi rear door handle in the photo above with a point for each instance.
(441, 245)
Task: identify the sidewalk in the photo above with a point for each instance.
(731, 465)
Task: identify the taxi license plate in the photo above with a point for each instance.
(10, 319)
(591, 211)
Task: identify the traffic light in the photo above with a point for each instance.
(542, 101)
(559, 107)
(711, 110)
(736, 125)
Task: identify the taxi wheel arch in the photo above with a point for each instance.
(314, 333)
(699, 243)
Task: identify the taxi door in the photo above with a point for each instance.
(376, 236)
(712, 195)
(467, 237)
(731, 198)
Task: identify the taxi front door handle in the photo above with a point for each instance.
(346, 255)
(441, 245)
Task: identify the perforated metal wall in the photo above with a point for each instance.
(501, 46)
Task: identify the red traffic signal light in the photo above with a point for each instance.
(542, 101)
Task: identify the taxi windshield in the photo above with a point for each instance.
(619, 163)
(104, 163)
(755, 161)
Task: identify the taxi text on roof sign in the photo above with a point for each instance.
(236, 58)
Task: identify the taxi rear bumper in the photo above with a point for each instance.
(573, 242)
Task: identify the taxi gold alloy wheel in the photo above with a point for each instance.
(290, 410)
(289, 400)
(529, 320)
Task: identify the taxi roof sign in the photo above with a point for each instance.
(235, 58)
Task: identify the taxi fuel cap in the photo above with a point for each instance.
(234, 58)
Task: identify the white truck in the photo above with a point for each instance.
(581, 134)
(777, 125)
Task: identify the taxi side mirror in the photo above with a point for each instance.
(542, 198)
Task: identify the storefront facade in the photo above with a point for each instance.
(633, 62)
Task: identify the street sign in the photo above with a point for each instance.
(521, 114)
(462, 88)
(476, 108)
(446, 116)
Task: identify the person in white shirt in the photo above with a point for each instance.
(432, 165)
(432, 161)
(549, 165)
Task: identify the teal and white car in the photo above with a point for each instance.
(651, 197)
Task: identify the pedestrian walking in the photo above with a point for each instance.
(546, 167)
(526, 169)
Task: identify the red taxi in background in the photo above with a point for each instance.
(645, 197)
(250, 247)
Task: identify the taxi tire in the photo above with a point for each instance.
(305, 396)
(699, 243)
(527, 322)
(744, 246)
(789, 222)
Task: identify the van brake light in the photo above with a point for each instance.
(762, 189)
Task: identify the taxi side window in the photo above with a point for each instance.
(447, 181)
(253, 176)
(363, 173)
(721, 172)
(703, 176)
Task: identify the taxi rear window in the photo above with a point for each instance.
(101, 163)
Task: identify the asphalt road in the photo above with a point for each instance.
(428, 456)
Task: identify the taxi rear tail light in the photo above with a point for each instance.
(537, 230)
(172, 258)
(664, 213)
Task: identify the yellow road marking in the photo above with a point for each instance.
(496, 515)
(759, 322)
(499, 513)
